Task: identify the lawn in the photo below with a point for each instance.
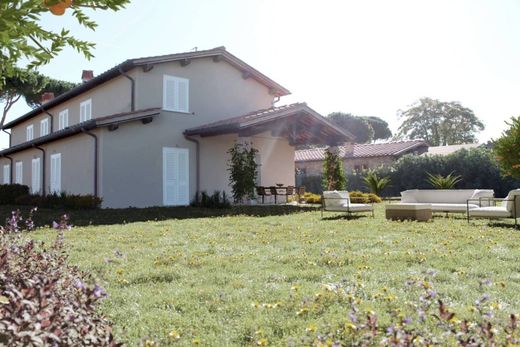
(280, 280)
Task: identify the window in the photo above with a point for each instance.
(176, 94)
(30, 132)
(35, 176)
(85, 110)
(7, 174)
(19, 172)
(44, 127)
(63, 119)
(56, 173)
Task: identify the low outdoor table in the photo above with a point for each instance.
(409, 211)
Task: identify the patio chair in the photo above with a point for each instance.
(339, 201)
(510, 208)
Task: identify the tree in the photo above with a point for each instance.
(358, 126)
(30, 85)
(243, 171)
(381, 129)
(507, 149)
(439, 123)
(23, 38)
(333, 172)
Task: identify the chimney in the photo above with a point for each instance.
(47, 96)
(87, 75)
(348, 149)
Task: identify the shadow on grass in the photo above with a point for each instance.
(345, 216)
(46, 216)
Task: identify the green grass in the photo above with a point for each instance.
(237, 279)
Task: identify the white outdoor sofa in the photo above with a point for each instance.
(510, 208)
(339, 201)
(449, 200)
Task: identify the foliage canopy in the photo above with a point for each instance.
(439, 123)
(23, 38)
(507, 149)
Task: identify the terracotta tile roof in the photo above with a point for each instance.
(310, 123)
(361, 150)
(217, 53)
(90, 124)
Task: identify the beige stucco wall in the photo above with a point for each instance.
(109, 98)
(77, 164)
(132, 161)
(216, 90)
(276, 161)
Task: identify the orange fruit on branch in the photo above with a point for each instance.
(59, 8)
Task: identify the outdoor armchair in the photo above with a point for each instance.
(340, 201)
(510, 208)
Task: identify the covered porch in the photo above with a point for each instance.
(274, 132)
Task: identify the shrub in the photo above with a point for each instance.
(358, 197)
(333, 172)
(443, 182)
(45, 301)
(216, 200)
(61, 200)
(507, 149)
(243, 171)
(9, 193)
(375, 183)
(312, 198)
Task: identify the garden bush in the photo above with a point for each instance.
(61, 200)
(216, 200)
(43, 300)
(364, 198)
(10, 192)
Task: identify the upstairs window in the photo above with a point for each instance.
(63, 120)
(85, 110)
(44, 127)
(29, 132)
(176, 94)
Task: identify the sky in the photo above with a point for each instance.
(368, 58)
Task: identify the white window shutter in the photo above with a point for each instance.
(64, 119)
(176, 176)
(56, 173)
(183, 177)
(7, 174)
(182, 95)
(176, 94)
(169, 93)
(19, 172)
(35, 176)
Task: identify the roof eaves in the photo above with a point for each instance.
(412, 146)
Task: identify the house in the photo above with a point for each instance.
(358, 156)
(156, 130)
(450, 149)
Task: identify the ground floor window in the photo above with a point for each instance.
(176, 176)
(19, 173)
(56, 173)
(35, 176)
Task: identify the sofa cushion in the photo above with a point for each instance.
(480, 194)
(335, 198)
(408, 206)
(491, 211)
(358, 207)
(453, 207)
(509, 204)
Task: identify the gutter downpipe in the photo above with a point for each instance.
(197, 161)
(132, 81)
(5, 131)
(10, 168)
(85, 131)
(51, 128)
(43, 170)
